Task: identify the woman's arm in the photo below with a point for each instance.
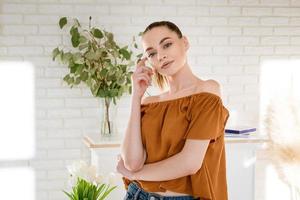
(187, 162)
(132, 150)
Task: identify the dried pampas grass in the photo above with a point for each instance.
(282, 124)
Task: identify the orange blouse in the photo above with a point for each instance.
(167, 124)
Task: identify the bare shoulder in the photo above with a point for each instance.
(149, 99)
(211, 86)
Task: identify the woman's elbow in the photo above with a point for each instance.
(133, 165)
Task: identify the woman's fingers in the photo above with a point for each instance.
(144, 77)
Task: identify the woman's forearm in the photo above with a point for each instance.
(132, 150)
(168, 169)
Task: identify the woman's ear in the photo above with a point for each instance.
(185, 43)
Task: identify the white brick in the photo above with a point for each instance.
(287, 31)
(11, 40)
(212, 21)
(195, 30)
(41, 19)
(295, 40)
(295, 2)
(50, 144)
(50, 123)
(243, 59)
(40, 93)
(211, 60)
(115, 20)
(295, 21)
(259, 50)
(257, 11)
(252, 69)
(244, 40)
(274, 21)
(56, 72)
(243, 79)
(50, 185)
(287, 50)
(243, 98)
(196, 50)
(58, 174)
(212, 2)
(244, 2)
(286, 11)
(25, 50)
(193, 11)
(65, 133)
(19, 8)
(182, 21)
(19, 30)
(87, 9)
(257, 31)
(43, 40)
(40, 114)
(130, 30)
(3, 51)
(73, 143)
(82, 123)
(275, 40)
(47, 164)
(50, 29)
(65, 92)
(232, 89)
(275, 2)
(63, 113)
(225, 11)
(179, 2)
(226, 31)
(230, 50)
(11, 19)
(228, 70)
(64, 153)
(252, 89)
(50, 103)
(216, 40)
(55, 9)
(161, 10)
(243, 21)
(48, 83)
(81, 102)
(123, 10)
(144, 2)
(91, 112)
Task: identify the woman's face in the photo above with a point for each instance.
(165, 51)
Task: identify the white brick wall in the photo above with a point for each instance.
(229, 40)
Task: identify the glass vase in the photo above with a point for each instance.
(108, 119)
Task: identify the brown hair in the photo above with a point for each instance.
(161, 80)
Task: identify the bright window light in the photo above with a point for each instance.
(17, 119)
(17, 183)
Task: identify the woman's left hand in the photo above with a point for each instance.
(122, 169)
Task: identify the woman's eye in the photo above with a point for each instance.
(151, 54)
(167, 45)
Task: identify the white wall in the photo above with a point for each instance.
(229, 40)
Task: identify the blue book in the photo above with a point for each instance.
(240, 130)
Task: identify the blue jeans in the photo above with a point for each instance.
(134, 192)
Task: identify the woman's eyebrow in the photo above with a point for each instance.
(162, 40)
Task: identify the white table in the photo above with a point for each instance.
(240, 161)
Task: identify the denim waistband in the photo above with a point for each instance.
(134, 192)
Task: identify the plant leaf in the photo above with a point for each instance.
(62, 22)
(97, 33)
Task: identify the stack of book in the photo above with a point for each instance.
(239, 131)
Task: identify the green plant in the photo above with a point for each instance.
(98, 61)
(87, 184)
(84, 190)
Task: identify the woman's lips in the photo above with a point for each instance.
(167, 65)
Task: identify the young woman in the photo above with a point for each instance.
(173, 148)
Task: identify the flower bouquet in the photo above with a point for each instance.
(87, 184)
